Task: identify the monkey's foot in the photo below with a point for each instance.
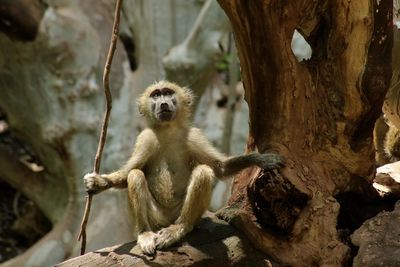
(171, 234)
(147, 242)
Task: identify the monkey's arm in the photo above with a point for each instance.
(146, 145)
(204, 152)
(223, 166)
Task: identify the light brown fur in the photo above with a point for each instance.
(170, 173)
(392, 143)
(386, 141)
(380, 130)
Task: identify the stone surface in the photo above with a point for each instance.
(378, 240)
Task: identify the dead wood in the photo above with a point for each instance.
(213, 243)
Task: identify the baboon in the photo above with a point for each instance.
(170, 174)
(386, 141)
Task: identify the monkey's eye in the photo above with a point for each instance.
(168, 92)
(155, 93)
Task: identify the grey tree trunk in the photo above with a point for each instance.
(52, 97)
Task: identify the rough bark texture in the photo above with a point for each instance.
(318, 114)
(378, 238)
(213, 243)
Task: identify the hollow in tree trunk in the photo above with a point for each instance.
(319, 114)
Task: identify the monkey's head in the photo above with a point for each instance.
(165, 103)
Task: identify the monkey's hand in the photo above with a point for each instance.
(95, 183)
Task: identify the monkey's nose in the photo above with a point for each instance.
(164, 107)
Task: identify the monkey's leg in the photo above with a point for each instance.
(195, 204)
(140, 201)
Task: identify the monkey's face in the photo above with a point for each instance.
(163, 104)
(166, 103)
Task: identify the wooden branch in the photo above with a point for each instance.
(103, 135)
(197, 27)
(82, 232)
(213, 243)
(14, 173)
(192, 61)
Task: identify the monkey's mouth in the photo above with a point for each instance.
(165, 115)
(165, 112)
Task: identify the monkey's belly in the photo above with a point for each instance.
(169, 191)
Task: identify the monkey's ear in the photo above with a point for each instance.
(190, 100)
(189, 97)
(140, 110)
(140, 106)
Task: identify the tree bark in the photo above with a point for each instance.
(213, 243)
(319, 114)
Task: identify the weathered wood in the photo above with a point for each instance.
(213, 243)
(319, 114)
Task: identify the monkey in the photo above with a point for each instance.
(392, 142)
(386, 141)
(380, 130)
(170, 174)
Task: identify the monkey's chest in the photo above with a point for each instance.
(168, 181)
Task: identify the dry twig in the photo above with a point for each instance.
(103, 135)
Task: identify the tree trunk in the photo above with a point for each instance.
(52, 99)
(192, 62)
(51, 96)
(319, 114)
